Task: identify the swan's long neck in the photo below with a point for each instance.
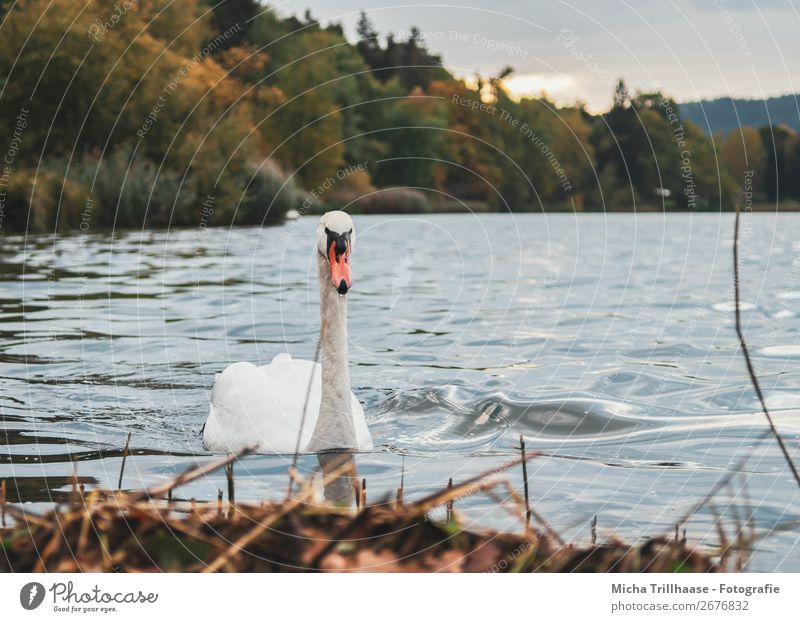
(335, 428)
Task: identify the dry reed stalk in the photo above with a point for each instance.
(231, 491)
(737, 468)
(450, 502)
(402, 481)
(86, 522)
(188, 476)
(250, 536)
(74, 485)
(125, 452)
(539, 518)
(128, 524)
(525, 480)
(467, 487)
(724, 545)
(746, 353)
(22, 517)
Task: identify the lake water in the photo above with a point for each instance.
(607, 340)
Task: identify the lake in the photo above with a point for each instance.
(607, 340)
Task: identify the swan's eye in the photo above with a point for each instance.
(327, 231)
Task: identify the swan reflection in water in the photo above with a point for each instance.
(339, 477)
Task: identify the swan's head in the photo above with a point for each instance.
(335, 239)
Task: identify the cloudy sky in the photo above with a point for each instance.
(576, 50)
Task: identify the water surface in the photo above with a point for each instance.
(607, 340)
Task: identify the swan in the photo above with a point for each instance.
(262, 407)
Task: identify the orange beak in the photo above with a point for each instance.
(340, 269)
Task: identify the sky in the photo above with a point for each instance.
(576, 51)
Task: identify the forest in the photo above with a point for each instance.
(199, 113)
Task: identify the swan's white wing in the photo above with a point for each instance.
(263, 406)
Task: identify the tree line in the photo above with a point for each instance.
(172, 114)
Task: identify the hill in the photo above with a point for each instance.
(725, 113)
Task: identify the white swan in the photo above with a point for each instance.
(263, 406)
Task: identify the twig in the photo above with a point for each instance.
(723, 539)
(721, 483)
(339, 537)
(594, 529)
(450, 502)
(188, 476)
(236, 547)
(231, 495)
(525, 481)
(124, 458)
(400, 490)
(750, 369)
(74, 493)
(548, 528)
(467, 487)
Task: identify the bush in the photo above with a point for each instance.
(114, 191)
(46, 202)
(132, 191)
(268, 197)
(393, 201)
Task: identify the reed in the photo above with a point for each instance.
(450, 502)
(125, 452)
(525, 481)
(400, 491)
(231, 489)
(746, 354)
(139, 531)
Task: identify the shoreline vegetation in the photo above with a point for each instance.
(148, 531)
(248, 115)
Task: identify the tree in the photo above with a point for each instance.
(779, 142)
(233, 17)
(409, 60)
(414, 136)
(368, 45)
(742, 152)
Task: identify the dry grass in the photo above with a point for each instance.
(140, 531)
